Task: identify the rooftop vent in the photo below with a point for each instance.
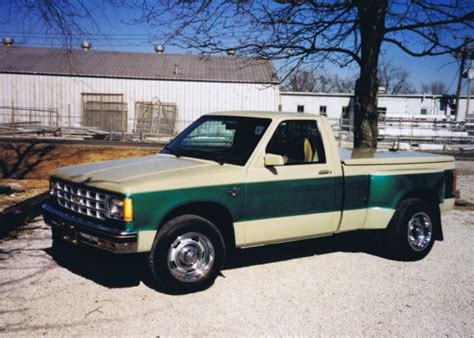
(8, 41)
(231, 52)
(86, 45)
(159, 49)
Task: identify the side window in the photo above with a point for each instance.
(298, 141)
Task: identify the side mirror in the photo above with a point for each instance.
(272, 160)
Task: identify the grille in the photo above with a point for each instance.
(80, 200)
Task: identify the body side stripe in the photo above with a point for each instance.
(289, 198)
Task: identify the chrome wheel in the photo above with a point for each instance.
(190, 257)
(420, 231)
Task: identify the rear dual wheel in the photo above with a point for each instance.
(410, 234)
(187, 255)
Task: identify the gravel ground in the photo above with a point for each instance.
(330, 286)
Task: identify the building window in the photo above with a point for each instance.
(323, 111)
(423, 111)
(300, 109)
(382, 113)
(280, 108)
(345, 112)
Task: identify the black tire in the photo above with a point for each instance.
(164, 271)
(396, 240)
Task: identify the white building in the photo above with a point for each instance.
(160, 93)
(124, 91)
(339, 105)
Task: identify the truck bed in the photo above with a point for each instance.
(386, 157)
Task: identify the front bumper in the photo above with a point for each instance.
(80, 231)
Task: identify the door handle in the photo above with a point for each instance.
(324, 171)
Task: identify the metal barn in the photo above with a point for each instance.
(145, 93)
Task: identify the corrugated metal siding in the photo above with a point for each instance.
(192, 98)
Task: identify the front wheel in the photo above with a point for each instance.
(410, 234)
(187, 255)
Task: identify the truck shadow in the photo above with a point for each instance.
(358, 241)
(119, 271)
(106, 269)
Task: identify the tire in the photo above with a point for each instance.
(187, 255)
(411, 232)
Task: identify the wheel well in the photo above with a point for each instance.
(427, 196)
(424, 195)
(213, 212)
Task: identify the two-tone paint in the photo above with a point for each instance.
(351, 191)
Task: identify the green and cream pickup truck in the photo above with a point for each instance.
(242, 179)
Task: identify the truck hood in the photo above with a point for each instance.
(149, 173)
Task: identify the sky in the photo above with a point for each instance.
(118, 34)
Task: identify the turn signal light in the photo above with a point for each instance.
(128, 209)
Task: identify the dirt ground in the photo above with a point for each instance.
(30, 165)
(333, 286)
(38, 160)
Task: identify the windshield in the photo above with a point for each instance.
(224, 139)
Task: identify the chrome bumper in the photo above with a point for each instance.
(80, 231)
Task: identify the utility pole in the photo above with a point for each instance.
(470, 75)
(462, 56)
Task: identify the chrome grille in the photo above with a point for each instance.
(80, 200)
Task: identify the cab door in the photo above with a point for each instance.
(297, 199)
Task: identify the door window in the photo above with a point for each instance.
(299, 142)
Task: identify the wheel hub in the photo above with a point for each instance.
(190, 257)
(420, 231)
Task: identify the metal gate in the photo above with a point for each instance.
(107, 112)
(156, 118)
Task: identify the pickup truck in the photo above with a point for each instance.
(242, 179)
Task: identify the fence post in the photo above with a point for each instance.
(69, 119)
(13, 121)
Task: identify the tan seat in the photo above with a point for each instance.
(308, 151)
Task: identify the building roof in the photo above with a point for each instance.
(416, 95)
(132, 65)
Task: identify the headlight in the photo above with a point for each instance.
(121, 208)
(53, 186)
(116, 208)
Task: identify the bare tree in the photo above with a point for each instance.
(298, 33)
(345, 85)
(301, 81)
(396, 80)
(434, 87)
(310, 81)
(70, 19)
(294, 32)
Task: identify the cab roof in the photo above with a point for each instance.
(265, 114)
